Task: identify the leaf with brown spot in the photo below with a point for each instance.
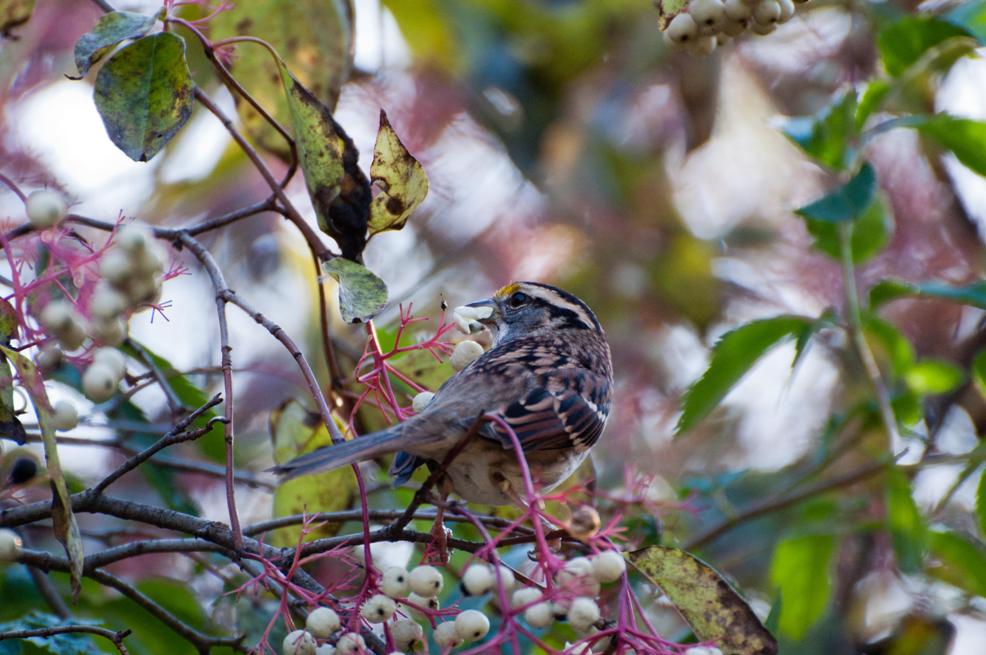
(713, 609)
(339, 190)
(295, 431)
(314, 38)
(66, 527)
(402, 181)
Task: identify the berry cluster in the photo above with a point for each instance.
(704, 24)
(572, 597)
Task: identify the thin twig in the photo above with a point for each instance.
(174, 402)
(115, 636)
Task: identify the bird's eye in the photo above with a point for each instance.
(517, 299)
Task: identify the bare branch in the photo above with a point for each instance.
(116, 636)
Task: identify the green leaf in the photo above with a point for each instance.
(977, 369)
(144, 94)
(14, 13)
(733, 355)
(801, 570)
(295, 431)
(870, 233)
(960, 561)
(67, 643)
(932, 376)
(402, 181)
(848, 202)
(891, 289)
(111, 29)
(965, 138)
(971, 16)
(361, 293)
(10, 425)
(873, 96)
(66, 527)
(907, 529)
(827, 136)
(903, 43)
(314, 39)
(981, 502)
(713, 609)
(339, 190)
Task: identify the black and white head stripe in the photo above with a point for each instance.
(562, 304)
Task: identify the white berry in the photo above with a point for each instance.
(446, 636)
(703, 650)
(322, 622)
(737, 9)
(64, 415)
(734, 26)
(115, 267)
(111, 358)
(787, 10)
(10, 545)
(110, 332)
(465, 353)
(767, 12)
(49, 357)
(426, 581)
(681, 30)
(472, 625)
(583, 612)
(539, 615)
(99, 382)
(703, 45)
(406, 633)
(421, 601)
(507, 579)
(73, 335)
(524, 596)
(395, 582)
(57, 316)
(107, 302)
(350, 643)
(707, 14)
(421, 401)
(299, 642)
(325, 649)
(608, 566)
(134, 238)
(478, 579)
(378, 609)
(46, 208)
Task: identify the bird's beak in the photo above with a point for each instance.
(487, 317)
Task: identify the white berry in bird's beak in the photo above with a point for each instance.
(468, 318)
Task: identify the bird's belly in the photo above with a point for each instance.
(485, 473)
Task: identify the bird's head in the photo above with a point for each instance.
(525, 308)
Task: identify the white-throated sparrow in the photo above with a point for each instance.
(548, 375)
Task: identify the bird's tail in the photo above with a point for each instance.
(331, 457)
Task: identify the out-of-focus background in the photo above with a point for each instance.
(566, 142)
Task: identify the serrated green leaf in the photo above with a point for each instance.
(14, 13)
(846, 203)
(295, 431)
(891, 289)
(144, 94)
(931, 376)
(315, 40)
(801, 569)
(828, 135)
(870, 233)
(964, 137)
(339, 190)
(960, 561)
(905, 523)
(111, 29)
(874, 94)
(713, 609)
(361, 293)
(402, 181)
(733, 355)
(904, 41)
